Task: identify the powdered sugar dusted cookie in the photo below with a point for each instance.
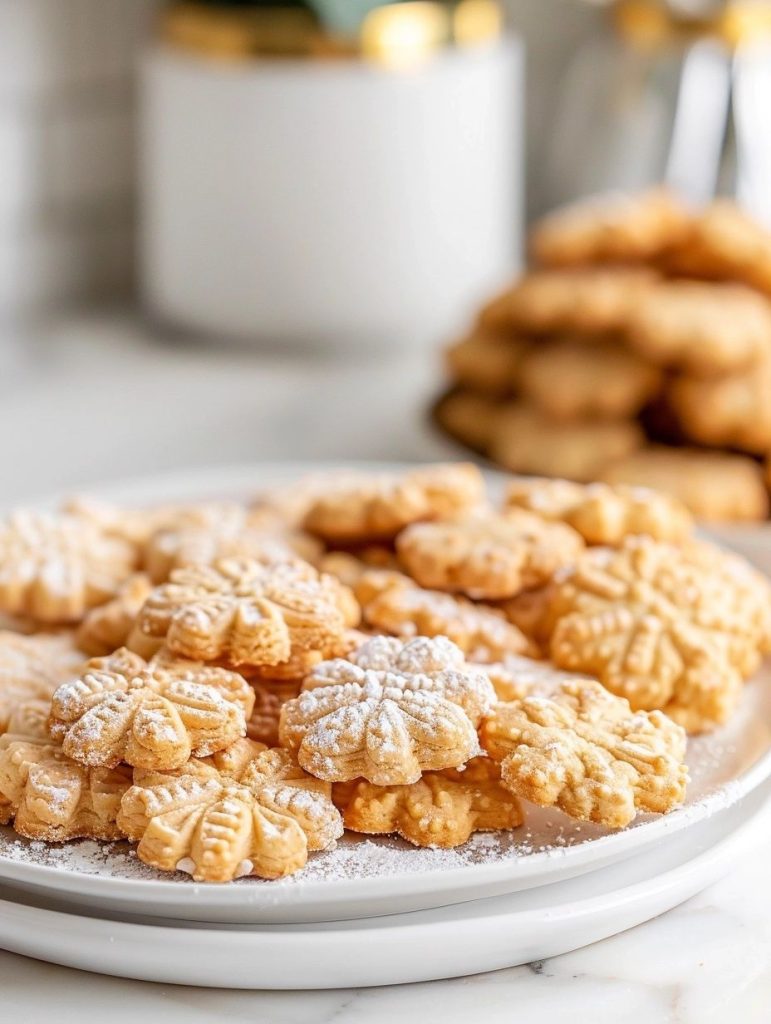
(442, 809)
(395, 710)
(375, 507)
(714, 486)
(489, 556)
(260, 816)
(611, 229)
(586, 752)
(601, 513)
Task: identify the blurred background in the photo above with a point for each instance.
(246, 231)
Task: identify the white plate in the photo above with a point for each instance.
(478, 936)
(385, 876)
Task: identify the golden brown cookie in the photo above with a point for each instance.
(701, 328)
(658, 626)
(725, 243)
(393, 603)
(530, 611)
(524, 440)
(515, 677)
(31, 667)
(732, 411)
(396, 709)
(107, 627)
(486, 362)
(48, 797)
(489, 556)
(250, 613)
(714, 486)
(602, 513)
(586, 751)
(442, 809)
(611, 229)
(467, 417)
(375, 507)
(256, 816)
(587, 301)
(270, 695)
(153, 716)
(569, 380)
(56, 567)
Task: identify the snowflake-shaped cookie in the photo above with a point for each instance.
(441, 809)
(31, 667)
(604, 513)
(393, 603)
(56, 567)
(585, 751)
(49, 797)
(489, 556)
(370, 507)
(246, 612)
(153, 715)
(657, 628)
(254, 813)
(395, 710)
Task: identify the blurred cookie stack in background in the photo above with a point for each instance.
(637, 349)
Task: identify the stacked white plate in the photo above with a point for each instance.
(376, 911)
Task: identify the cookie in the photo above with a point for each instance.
(724, 243)
(568, 380)
(489, 556)
(467, 417)
(375, 507)
(153, 716)
(658, 627)
(106, 628)
(700, 328)
(486, 362)
(442, 809)
(248, 613)
(393, 603)
(611, 229)
(515, 677)
(526, 441)
(588, 301)
(586, 752)
(269, 697)
(601, 513)
(31, 667)
(732, 411)
(714, 486)
(395, 710)
(258, 815)
(56, 567)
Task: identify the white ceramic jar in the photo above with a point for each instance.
(329, 203)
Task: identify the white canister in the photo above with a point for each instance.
(329, 203)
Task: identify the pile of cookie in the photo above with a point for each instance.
(636, 350)
(230, 686)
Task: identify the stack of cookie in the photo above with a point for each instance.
(637, 350)
(230, 687)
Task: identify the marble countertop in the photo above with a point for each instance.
(99, 397)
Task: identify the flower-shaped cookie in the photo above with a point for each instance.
(107, 627)
(153, 716)
(603, 513)
(488, 556)
(269, 697)
(375, 507)
(656, 627)
(246, 612)
(395, 710)
(49, 797)
(584, 750)
(254, 815)
(516, 677)
(441, 809)
(393, 603)
(56, 567)
(31, 667)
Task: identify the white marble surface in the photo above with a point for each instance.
(96, 398)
